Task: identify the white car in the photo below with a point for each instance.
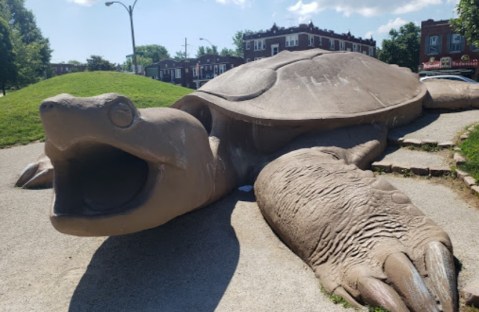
(449, 77)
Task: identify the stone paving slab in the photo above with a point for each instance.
(434, 128)
(404, 160)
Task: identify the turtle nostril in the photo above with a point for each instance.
(46, 106)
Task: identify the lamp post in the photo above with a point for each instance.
(129, 9)
(212, 45)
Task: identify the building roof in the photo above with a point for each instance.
(306, 28)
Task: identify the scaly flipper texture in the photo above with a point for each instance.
(363, 238)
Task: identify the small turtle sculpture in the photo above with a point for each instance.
(301, 126)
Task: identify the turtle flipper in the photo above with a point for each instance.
(363, 238)
(38, 174)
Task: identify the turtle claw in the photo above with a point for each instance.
(442, 274)
(378, 294)
(36, 175)
(408, 282)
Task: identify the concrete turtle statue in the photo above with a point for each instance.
(303, 126)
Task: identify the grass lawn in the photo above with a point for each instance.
(19, 119)
(470, 149)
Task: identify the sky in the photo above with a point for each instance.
(78, 29)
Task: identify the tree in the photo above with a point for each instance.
(32, 51)
(239, 42)
(227, 52)
(153, 52)
(179, 55)
(403, 47)
(147, 55)
(8, 71)
(96, 62)
(467, 23)
(207, 50)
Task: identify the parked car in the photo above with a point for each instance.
(449, 77)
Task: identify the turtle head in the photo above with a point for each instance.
(119, 169)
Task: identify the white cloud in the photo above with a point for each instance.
(240, 3)
(414, 6)
(392, 24)
(84, 2)
(301, 8)
(367, 8)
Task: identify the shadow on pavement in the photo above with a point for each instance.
(428, 117)
(185, 265)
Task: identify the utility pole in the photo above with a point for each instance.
(185, 64)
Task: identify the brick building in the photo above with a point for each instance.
(442, 51)
(193, 72)
(62, 68)
(303, 37)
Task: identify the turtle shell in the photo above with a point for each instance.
(293, 88)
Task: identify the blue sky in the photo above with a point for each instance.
(80, 28)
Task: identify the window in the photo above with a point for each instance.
(259, 45)
(248, 45)
(433, 44)
(355, 47)
(311, 40)
(292, 40)
(178, 73)
(455, 43)
(332, 45)
(222, 68)
(342, 45)
(274, 49)
(371, 51)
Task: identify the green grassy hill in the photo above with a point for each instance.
(19, 119)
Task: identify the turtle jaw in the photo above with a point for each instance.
(120, 170)
(97, 183)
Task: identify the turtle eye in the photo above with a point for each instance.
(121, 115)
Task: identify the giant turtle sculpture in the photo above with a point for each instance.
(304, 125)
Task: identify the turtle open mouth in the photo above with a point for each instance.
(93, 179)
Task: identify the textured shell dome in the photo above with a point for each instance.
(296, 87)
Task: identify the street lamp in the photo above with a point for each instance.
(129, 9)
(212, 45)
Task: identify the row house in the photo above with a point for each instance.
(192, 72)
(62, 68)
(444, 51)
(303, 37)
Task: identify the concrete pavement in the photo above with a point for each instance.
(223, 257)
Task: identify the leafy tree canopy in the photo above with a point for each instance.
(147, 55)
(227, 52)
(467, 22)
(402, 48)
(32, 51)
(202, 50)
(239, 42)
(96, 62)
(8, 70)
(154, 52)
(179, 55)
